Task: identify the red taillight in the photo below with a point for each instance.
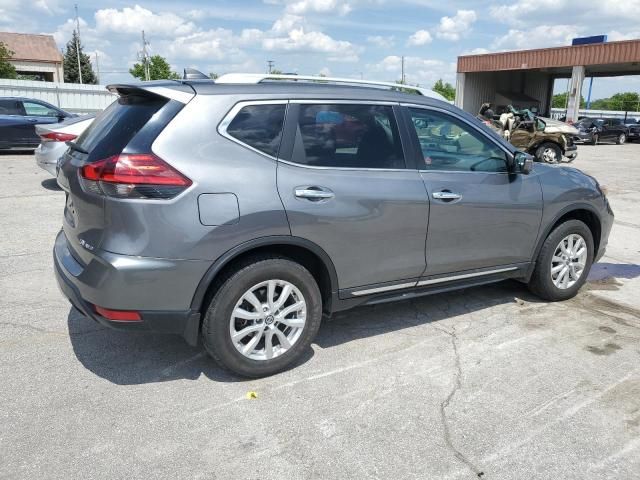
(57, 137)
(135, 175)
(118, 315)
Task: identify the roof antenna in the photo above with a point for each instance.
(193, 74)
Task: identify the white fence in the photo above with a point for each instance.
(583, 112)
(72, 97)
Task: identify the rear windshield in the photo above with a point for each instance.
(115, 126)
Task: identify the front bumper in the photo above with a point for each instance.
(86, 286)
(583, 137)
(571, 152)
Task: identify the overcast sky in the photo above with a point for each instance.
(335, 37)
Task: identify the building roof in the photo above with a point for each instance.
(31, 48)
(597, 54)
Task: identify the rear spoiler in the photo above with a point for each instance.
(172, 90)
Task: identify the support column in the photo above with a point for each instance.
(575, 93)
(459, 101)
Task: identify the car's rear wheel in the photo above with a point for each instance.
(549, 153)
(564, 262)
(263, 316)
(622, 138)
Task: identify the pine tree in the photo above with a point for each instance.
(71, 63)
(6, 69)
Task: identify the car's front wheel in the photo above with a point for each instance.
(263, 316)
(564, 262)
(549, 153)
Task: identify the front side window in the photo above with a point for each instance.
(348, 136)
(39, 110)
(259, 126)
(449, 144)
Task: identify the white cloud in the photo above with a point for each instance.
(133, 20)
(286, 23)
(325, 71)
(537, 37)
(452, 28)
(476, 51)
(418, 70)
(218, 44)
(614, 35)
(421, 37)
(297, 40)
(300, 7)
(382, 42)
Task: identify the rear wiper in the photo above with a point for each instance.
(76, 147)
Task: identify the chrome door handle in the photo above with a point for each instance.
(446, 195)
(314, 193)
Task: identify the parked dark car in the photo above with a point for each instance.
(594, 130)
(236, 214)
(633, 132)
(19, 117)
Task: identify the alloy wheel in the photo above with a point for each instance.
(268, 319)
(568, 261)
(549, 155)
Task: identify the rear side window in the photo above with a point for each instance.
(351, 136)
(115, 126)
(10, 107)
(259, 126)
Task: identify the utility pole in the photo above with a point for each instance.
(145, 57)
(270, 64)
(78, 44)
(402, 79)
(97, 69)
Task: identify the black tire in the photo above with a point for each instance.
(216, 335)
(541, 283)
(621, 139)
(594, 139)
(540, 152)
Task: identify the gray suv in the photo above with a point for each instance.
(241, 213)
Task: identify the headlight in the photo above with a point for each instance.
(604, 189)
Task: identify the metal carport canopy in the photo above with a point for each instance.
(597, 60)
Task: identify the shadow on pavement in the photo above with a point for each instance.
(51, 184)
(603, 270)
(132, 358)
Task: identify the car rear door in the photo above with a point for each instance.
(345, 185)
(481, 216)
(12, 123)
(37, 113)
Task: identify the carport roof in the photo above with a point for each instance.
(611, 58)
(31, 48)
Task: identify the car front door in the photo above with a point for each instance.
(481, 216)
(346, 187)
(37, 113)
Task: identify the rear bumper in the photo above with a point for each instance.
(93, 284)
(46, 159)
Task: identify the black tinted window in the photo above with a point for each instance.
(259, 126)
(10, 107)
(449, 144)
(354, 136)
(115, 126)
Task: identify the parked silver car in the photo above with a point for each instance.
(239, 213)
(53, 138)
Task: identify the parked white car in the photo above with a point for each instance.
(53, 139)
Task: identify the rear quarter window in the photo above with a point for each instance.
(259, 126)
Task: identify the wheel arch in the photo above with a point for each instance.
(305, 252)
(583, 212)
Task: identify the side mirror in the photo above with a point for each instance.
(522, 163)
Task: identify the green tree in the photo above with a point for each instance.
(6, 69)
(159, 69)
(71, 63)
(559, 100)
(213, 76)
(620, 101)
(447, 90)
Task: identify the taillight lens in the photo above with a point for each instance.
(134, 175)
(57, 137)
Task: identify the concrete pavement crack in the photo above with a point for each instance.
(445, 403)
